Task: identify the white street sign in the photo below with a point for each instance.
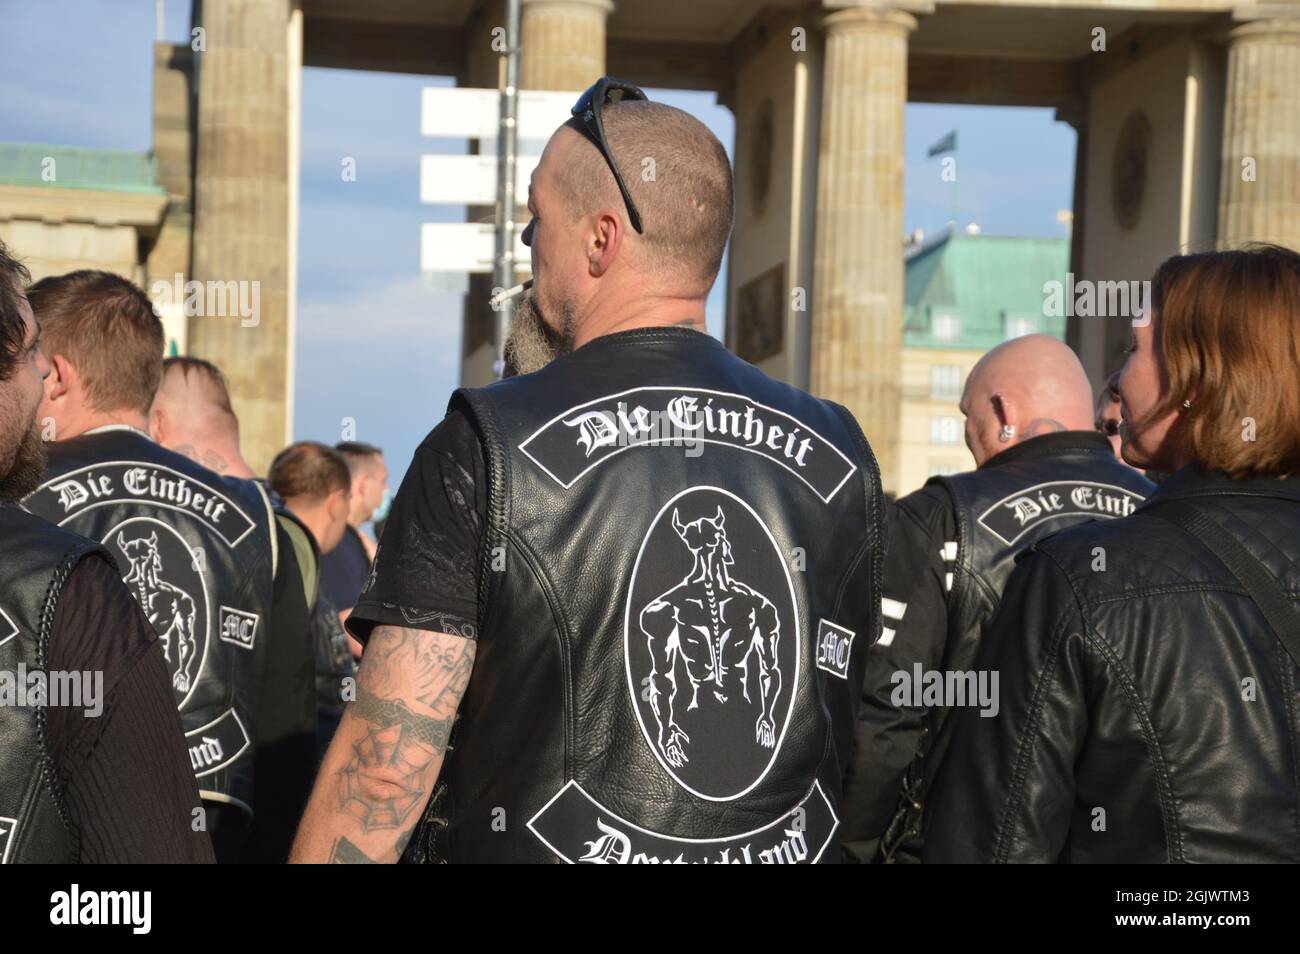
(460, 113)
(470, 180)
(464, 247)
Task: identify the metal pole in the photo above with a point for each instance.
(507, 134)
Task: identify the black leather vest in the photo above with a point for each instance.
(1026, 493)
(334, 662)
(199, 552)
(668, 667)
(38, 558)
(1045, 485)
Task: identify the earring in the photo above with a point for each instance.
(1187, 402)
(1008, 432)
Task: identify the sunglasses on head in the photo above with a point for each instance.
(604, 92)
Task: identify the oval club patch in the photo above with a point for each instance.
(712, 643)
(166, 579)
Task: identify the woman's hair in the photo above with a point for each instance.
(1227, 338)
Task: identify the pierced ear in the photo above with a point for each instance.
(1000, 408)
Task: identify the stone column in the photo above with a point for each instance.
(241, 199)
(563, 43)
(1261, 122)
(858, 270)
(173, 145)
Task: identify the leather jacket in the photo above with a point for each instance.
(1147, 713)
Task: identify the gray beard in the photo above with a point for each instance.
(27, 468)
(532, 344)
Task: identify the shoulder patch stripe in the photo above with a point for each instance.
(892, 608)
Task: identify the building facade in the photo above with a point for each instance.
(963, 294)
(1187, 113)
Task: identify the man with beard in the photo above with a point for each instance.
(659, 565)
(107, 781)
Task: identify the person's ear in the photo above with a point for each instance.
(158, 425)
(61, 379)
(1002, 408)
(606, 241)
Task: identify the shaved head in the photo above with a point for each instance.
(678, 175)
(194, 396)
(1024, 388)
(593, 274)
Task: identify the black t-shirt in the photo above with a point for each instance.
(426, 570)
(125, 774)
(343, 570)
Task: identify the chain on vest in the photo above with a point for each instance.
(665, 673)
(38, 559)
(196, 551)
(1000, 512)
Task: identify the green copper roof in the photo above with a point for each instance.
(983, 287)
(66, 167)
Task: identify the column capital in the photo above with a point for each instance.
(594, 6)
(1285, 30)
(1265, 10)
(872, 17)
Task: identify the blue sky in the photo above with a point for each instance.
(375, 342)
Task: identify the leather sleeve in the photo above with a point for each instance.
(1005, 792)
(915, 626)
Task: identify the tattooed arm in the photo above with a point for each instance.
(388, 750)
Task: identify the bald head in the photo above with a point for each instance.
(1024, 388)
(678, 175)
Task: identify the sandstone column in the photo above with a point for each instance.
(562, 47)
(563, 43)
(858, 268)
(173, 140)
(241, 199)
(1261, 122)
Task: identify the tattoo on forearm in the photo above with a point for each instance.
(346, 853)
(393, 712)
(408, 691)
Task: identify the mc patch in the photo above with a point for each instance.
(238, 627)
